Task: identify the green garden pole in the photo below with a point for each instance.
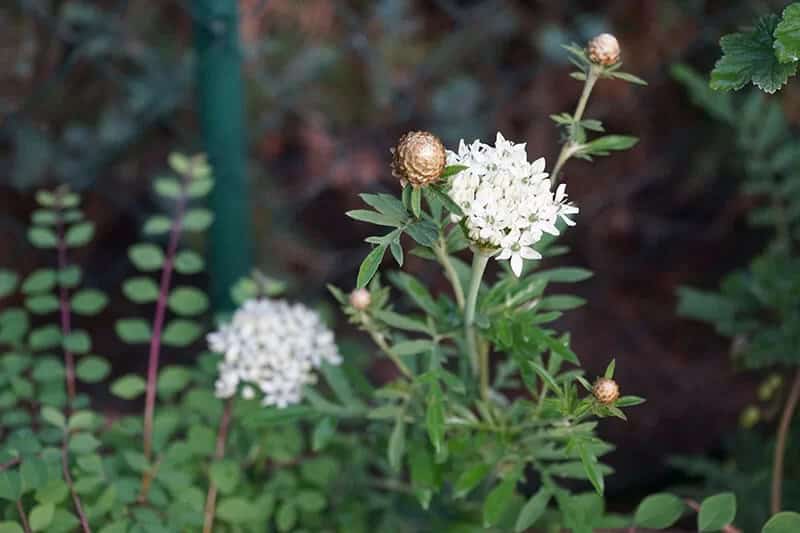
(220, 94)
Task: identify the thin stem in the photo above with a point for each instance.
(158, 323)
(450, 272)
(479, 261)
(24, 519)
(571, 146)
(380, 341)
(222, 437)
(780, 444)
(66, 325)
(68, 480)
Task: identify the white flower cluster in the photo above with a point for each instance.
(507, 202)
(274, 347)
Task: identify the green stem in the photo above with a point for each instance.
(380, 340)
(572, 145)
(479, 366)
(444, 258)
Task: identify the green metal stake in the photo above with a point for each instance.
(221, 107)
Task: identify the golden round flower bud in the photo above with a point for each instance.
(360, 299)
(419, 158)
(606, 391)
(603, 50)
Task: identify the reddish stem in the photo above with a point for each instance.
(158, 323)
(780, 445)
(68, 480)
(222, 437)
(66, 326)
(25, 526)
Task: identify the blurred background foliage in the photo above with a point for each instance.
(95, 94)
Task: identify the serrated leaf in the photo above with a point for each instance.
(750, 57)
(787, 35)
(659, 511)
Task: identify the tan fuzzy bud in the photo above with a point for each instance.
(360, 299)
(419, 158)
(603, 50)
(606, 391)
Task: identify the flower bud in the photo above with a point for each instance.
(603, 50)
(360, 299)
(605, 390)
(419, 159)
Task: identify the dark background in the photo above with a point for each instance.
(96, 94)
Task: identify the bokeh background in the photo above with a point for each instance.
(95, 94)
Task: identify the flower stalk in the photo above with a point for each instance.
(572, 145)
(64, 309)
(219, 453)
(780, 445)
(478, 359)
(444, 259)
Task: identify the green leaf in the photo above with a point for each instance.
(785, 522)
(77, 341)
(386, 204)
(11, 527)
(55, 491)
(173, 379)
(406, 348)
(434, 420)
(140, 290)
(42, 304)
(70, 276)
(452, 170)
(445, 199)
(53, 416)
(92, 369)
(424, 232)
(167, 187)
(82, 443)
(81, 420)
(198, 219)
(188, 262)
(364, 215)
(497, 501)
(10, 485)
(470, 478)
(42, 237)
(157, 225)
(225, 474)
(235, 510)
(286, 517)
(416, 201)
(187, 301)
(146, 257)
(181, 333)
(546, 378)
(397, 443)
(324, 432)
(45, 337)
(128, 387)
(88, 301)
(38, 281)
(716, 512)
(787, 35)
(80, 234)
(532, 510)
(399, 321)
(41, 516)
(310, 501)
(750, 57)
(34, 472)
(590, 465)
(200, 187)
(370, 266)
(133, 330)
(608, 143)
(8, 282)
(659, 511)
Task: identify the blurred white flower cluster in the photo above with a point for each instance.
(273, 347)
(507, 201)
